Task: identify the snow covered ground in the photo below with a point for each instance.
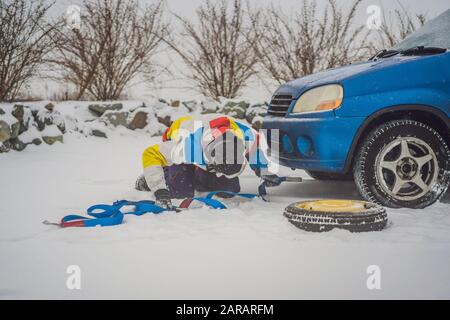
(248, 252)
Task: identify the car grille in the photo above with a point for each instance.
(279, 105)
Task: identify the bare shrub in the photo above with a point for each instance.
(218, 48)
(301, 43)
(24, 41)
(117, 41)
(396, 26)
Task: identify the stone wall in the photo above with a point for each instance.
(22, 125)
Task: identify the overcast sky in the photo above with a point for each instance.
(186, 8)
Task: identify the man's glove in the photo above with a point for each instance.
(272, 180)
(163, 199)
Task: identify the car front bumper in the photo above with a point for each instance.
(315, 142)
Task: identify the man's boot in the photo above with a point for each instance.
(141, 184)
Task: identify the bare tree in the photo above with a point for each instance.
(117, 42)
(24, 41)
(218, 49)
(301, 43)
(395, 27)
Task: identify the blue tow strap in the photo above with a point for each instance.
(111, 215)
(216, 204)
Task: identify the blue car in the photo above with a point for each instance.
(384, 122)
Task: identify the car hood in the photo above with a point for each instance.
(339, 75)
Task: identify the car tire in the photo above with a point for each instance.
(326, 176)
(326, 215)
(403, 164)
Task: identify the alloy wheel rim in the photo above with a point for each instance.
(407, 168)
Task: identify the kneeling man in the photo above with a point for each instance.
(204, 153)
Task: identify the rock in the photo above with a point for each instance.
(257, 122)
(51, 135)
(48, 121)
(2, 112)
(255, 115)
(208, 112)
(5, 147)
(15, 130)
(210, 106)
(17, 145)
(139, 121)
(23, 116)
(190, 105)
(58, 119)
(50, 107)
(62, 127)
(44, 118)
(23, 127)
(116, 118)
(99, 110)
(166, 120)
(116, 106)
(30, 135)
(175, 103)
(99, 134)
(5, 131)
(236, 109)
(37, 119)
(52, 140)
(39, 124)
(254, 111)
(162, 101)
(36, 142)
(142, 106)
(41, 119)
(18, 112)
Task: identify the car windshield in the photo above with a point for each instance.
(435, 33)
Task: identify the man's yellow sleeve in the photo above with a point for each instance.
(153, 157)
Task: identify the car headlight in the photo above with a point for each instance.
(328, 97)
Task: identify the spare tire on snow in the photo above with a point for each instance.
(325, 215)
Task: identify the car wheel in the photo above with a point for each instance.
(403, 163)
(326, 176)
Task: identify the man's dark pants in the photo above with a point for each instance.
(183, 180)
